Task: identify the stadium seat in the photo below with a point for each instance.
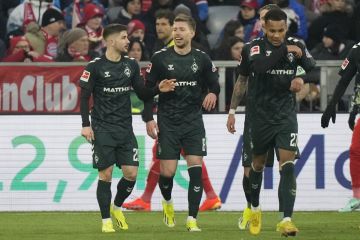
(218, 17)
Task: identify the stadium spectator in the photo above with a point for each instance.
(232, 28)
(74, 12)
(20, 51)
(229, 49)
(334, 46)
(74, 47)
(248, 17)
(203, 9)
(150, 18)
(44, 39)
(27, 12)
(136, 29)
(338, 13)
(131, 9)
(164, 23)
(138, 52)
(92, 24)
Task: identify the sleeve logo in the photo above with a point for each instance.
(148, 69)
(344, 64)
(254, 50)
(85, 76)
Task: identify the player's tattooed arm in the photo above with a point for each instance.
(239, 91)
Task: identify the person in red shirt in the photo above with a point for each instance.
(21, 51)
(44, 39)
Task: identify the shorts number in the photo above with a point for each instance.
(293, 140)
(135, 155)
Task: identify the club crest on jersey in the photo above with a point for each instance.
(254, 50)
(194, 67)
(85, 76)
(148, 69)
(171, 67)
(290, 56)
(268, 53)
(344, 64)
(127, 71)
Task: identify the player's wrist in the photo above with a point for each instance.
(232, 111)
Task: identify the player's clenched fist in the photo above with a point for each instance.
(296, 84)
(167, 85)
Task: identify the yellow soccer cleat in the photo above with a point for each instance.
(192, 226)
(255, 222)
(244, 220)
(168, 212)
(119, 217)
(107, 227)
(287, 228)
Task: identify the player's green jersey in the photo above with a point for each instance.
(110, 84)
(269, 98)
(195, 76)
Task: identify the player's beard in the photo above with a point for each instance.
(183, 44)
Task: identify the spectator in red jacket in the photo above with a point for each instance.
(21, 51)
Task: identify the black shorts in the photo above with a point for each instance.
(247, 148)
(174, 137)
(114, 148)
(283, 135)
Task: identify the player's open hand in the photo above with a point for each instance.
(152, 129)
(167, 85)
(295, 50)
(296, 84)
(209, 102)
(330, 112)
(231, 123)
(88, 133)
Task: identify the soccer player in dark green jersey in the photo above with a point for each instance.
(349, 68)
(109, 80)
(269, 64)
(180, 123)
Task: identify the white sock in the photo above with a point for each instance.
(104, 220)
(255, 209)
(116, 207)
(286, 219)
(169, 202)
(190, 218)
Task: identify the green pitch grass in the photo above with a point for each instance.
(147, 226)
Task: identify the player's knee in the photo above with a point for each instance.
(258, 166)
(131, 175)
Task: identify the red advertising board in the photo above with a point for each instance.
(40, 89)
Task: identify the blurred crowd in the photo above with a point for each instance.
(71, 30)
